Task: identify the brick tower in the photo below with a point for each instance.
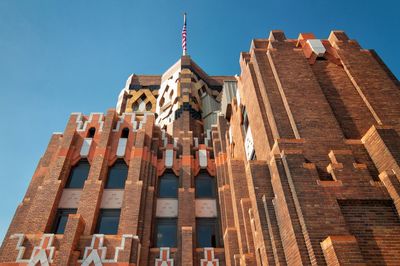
(294, 162)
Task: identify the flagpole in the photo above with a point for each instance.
(184, 33)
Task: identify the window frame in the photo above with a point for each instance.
(91, 133)
(61, 212)
(72, 171)
(108, 184)
(212, 222)
(101, 214)
(125, 132)
(203, 175)
(168, 175)
(165, 221)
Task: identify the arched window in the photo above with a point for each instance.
(149, 106)
(117, 175)
(91, 132)
(78, 175)
(205, 186)
(125, 133)
(168, 185)
(135, 106)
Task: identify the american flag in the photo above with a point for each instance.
(184, 35)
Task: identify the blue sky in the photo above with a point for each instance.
(58, 57)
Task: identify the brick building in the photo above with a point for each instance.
(294, 162)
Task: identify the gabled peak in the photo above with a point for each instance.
(186, 62)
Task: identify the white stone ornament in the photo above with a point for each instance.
(209, 259)
(42, 254)
(82, 125)
(230, 135)
(121, 147)
(164, 259)
(169, 158)
(96, 253)
(206, 208)
(87, 142)
(203, 158)
(167, 208)
(317, 47)
(70, 198)
(112, 199)
(249, 144)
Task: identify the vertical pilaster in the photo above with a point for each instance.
(342, 250)
(373, 82)
(238, 185)
(187, 249)
(17, 223)
(39, 218)
(93, 189)
(383, 146)
(133, 187)
(70, 240)
(186, 199)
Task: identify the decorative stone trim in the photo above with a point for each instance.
(96, 253)
(43, 253)
(164, 259)
(81, 126)
(85, 149)
(209, 259)
(203, 158)
(122, 118)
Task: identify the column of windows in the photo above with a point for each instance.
(76, 180)
(207, 228)
(165, 231)
(108, 219)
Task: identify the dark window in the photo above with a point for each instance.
(149, 106)
(78, 175)
(135, 106)
(61, 220)
(117, 175)
(125, 133)
(108, 221)
(203, 91)
(168, 186)
(245, 121)
(162, 101)
(324, 175)
(91, 132)
(253, 155)
(260, 256)
(165, 233)
(207, 232)
(205, 186)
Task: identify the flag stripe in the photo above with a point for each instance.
(184, 37)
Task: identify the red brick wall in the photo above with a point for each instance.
(324, 188)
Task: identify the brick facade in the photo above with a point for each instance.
(304, 149)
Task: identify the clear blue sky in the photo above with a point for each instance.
(58, 57)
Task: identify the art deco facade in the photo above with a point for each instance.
(293, 162)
